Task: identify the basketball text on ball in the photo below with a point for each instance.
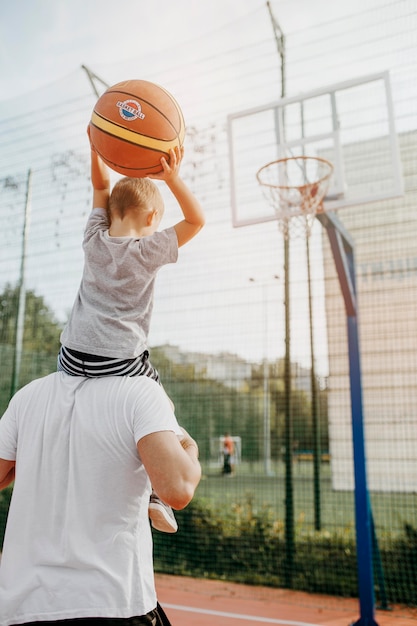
(134, 124)
(130, 110)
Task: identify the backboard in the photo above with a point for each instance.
(351, 124)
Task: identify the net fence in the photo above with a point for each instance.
(217, 334)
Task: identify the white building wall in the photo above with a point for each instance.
(385, 236)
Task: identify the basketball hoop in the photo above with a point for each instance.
(295, 187)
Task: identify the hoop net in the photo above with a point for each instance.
(295, 188)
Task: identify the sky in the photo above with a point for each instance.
(44, 40)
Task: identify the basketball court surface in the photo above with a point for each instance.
(193, 602)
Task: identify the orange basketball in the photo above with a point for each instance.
(134, 124)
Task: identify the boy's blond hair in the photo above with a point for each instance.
(134, 194)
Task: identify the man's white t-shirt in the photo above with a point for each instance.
(78, 541)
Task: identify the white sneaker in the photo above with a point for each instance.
(161, 515)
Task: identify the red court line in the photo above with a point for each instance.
(195, 602)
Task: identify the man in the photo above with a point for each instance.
(228, 452)
(84, 453)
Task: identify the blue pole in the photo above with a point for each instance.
(343, 253)
(362, 505)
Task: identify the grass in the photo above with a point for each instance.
(391, 511)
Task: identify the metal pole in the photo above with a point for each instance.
(314, 400)
(343, 253)
(314, 403)
(92, 78)
(288, 434)
(265, 374)
(362, 506)
(266, 417)
(289, 495)
(20, 314)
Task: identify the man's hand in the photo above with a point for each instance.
(7, 472)
(172, 466)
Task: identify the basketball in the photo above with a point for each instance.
(134, 124)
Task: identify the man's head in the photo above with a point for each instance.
(137, 198)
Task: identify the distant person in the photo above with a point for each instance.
(83, 454)
(107, 331)
(228, 455)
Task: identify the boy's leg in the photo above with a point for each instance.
(95, 366)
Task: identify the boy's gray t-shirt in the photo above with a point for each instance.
(112, 311)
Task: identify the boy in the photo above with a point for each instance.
(108, 327)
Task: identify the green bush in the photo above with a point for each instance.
(400, 567)
(245, 545)
(248, 546)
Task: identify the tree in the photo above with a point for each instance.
(301, 410)
(42, 330)
(40, 339)
(208, 408)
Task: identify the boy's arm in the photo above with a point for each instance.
(194, 218)
(100, 179)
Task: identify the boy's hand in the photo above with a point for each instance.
(187, 441)
(171, 168)
(89, 137)
(193, 213)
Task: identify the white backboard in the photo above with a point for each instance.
(351, 124)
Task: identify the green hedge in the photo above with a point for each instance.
(248, 546)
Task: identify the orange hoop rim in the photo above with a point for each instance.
(295, 158)
(296, 205)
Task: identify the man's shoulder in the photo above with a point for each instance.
(124, 386)
(31, 386)
(136, 384)
(55, 381)
(60, 382)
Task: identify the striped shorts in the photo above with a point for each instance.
(80, 364)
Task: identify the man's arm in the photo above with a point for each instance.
(172, 466)
(7, 471)
(194, 218)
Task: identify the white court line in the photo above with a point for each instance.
(248, 618)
